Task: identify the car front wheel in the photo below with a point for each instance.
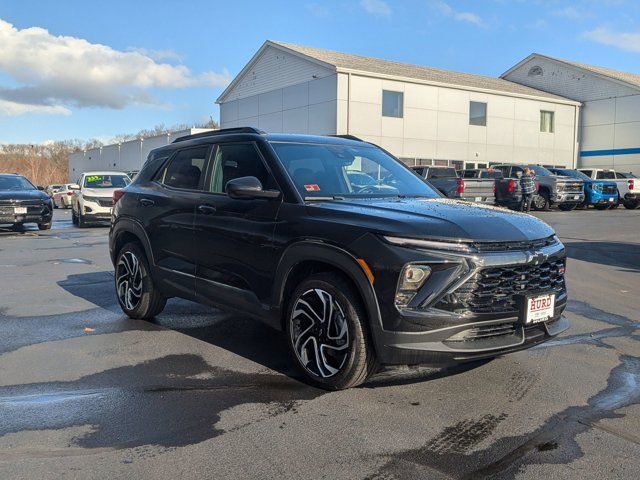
(327, 334)
(541, 201)
(137, 294)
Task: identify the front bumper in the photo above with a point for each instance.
(568, 198)
(425, 332)
(93, 211)
(35, 214)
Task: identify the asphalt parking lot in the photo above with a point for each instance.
(87, 393)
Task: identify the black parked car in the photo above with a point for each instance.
(21, 202)
(272, 226)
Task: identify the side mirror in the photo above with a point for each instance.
(75, 186)
(40, 187)
(246, 188)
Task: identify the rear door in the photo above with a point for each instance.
(235, 257)
(168, 206)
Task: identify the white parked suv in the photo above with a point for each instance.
(62, 197)
(628, 184)
(93, 200)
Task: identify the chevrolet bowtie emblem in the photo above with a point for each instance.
(536, 257)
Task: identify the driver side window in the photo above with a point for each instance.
(237, 160)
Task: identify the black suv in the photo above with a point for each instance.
(356, 274)
(21, 202)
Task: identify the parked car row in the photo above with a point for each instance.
(564, 188)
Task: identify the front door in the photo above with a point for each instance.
(235, 259)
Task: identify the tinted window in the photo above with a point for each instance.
(469, 174)
(319, 170)
(106, 181)
(588, 173)
(546, 121)
(606, 175)
(185, 169)
(392, 103)
(540, 171)
(442, 173)
(478, 113)
(238, 160)
(15, 183)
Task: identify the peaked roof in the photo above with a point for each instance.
(632, 79)
(346, 62)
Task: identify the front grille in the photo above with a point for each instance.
(570, 187)
(609, 189)
(530, 245)
(495, 290)
(31, 208)
(105, 202)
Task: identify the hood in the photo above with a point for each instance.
(434, 218)
(99, 192)
(608, 183)
(22, 195)
(566, 179)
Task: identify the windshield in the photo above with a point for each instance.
(15, 183)
(348, 171)
(575, 174)
(540, 171)
(106, 181)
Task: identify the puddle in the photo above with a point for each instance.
(71, 260)
(164, 393)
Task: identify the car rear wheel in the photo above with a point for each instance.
(137, 294)
(327, 335)
(631, 204)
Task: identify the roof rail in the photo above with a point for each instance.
(347, 137)
(222, 131)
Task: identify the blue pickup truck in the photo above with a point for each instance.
(599, 193)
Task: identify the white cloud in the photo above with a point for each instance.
(55, 73)
(448, 11)
(629, 41)
(376, 7)
(13, 109)
(572, 13)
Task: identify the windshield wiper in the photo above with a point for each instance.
(323, 199)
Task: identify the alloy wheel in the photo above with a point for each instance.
(129, 280)
(319, 333)
(538, 202)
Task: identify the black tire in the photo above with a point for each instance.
(74, 218)
(16, 227)
(150, 302)
(541, 201)
(82, 223)
(567, 207)
(44, 226)
(358, 361)
(631, 204)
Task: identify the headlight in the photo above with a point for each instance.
(596, 187)
(431, 244)
(411, 280)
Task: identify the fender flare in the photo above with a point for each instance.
(337, 257)
(129, 225)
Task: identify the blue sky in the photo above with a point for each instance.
(78, 69)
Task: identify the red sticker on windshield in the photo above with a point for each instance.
(312, 187)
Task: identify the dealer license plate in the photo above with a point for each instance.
(19, 210)
(540, 308)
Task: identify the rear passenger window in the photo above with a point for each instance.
(238, 160)
(185, 169)
(605, 175)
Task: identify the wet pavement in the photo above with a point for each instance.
(201, 393)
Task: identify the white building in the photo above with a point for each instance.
(610, 120)
(121, 157)
(420, 114)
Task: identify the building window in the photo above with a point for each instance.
(546, 121)
(392, 104)
(478, 113)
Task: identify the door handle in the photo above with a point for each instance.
(146, 202)
(206, 209)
